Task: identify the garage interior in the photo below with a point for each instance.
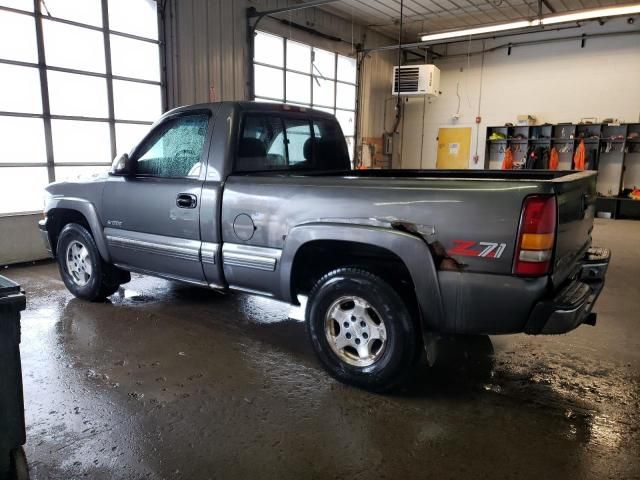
(166, 380)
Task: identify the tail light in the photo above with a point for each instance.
(536, 236)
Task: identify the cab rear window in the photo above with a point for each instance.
(280, 142)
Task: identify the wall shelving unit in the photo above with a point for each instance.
(611, 149)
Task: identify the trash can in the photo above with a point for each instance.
(12, 429)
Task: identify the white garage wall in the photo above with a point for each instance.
(556, 82)
(20, 239)
(207, 43)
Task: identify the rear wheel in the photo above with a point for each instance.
(361, 329)
(81, 267)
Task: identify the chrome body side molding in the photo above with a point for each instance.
(247, 256)
(183, 253)
(209, 253)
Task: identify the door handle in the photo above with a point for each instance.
(186, 200)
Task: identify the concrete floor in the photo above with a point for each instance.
(173, 382)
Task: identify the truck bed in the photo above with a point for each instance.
(443, 200)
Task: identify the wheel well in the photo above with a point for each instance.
(58, 218)
(319, 257)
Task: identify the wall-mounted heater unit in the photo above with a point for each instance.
(416, 80)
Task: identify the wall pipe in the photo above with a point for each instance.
(493, 37)
(540, 42)
(398, 100)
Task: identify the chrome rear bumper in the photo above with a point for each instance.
(572, 305)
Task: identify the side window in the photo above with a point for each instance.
(299, 142)
(174, 150)
(262, 145)
(331, 148)
(274, 142)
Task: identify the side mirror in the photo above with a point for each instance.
(122, 166)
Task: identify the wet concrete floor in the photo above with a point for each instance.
(167, 381)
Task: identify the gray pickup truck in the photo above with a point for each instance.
(261, 198)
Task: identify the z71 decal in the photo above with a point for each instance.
(468, 248)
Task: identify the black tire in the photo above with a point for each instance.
(104, 279)
(400, 352)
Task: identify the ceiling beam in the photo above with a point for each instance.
(315, 3)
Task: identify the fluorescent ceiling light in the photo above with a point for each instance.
(477, 31)
(569, 17)
(591, 14)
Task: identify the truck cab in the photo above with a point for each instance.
(162, 204)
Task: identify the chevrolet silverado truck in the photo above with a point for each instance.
(261, 198)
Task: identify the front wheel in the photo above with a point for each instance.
(81, 267)
(361, 329)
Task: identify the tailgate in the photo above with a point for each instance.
(576, 197)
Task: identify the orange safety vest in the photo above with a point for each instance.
(579, 157)
(507, 160)
(554, 159)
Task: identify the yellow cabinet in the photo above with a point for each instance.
(453, 148)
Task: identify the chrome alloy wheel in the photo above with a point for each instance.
(78, 263)
(355, 331)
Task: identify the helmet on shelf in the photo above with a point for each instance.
(497, 136)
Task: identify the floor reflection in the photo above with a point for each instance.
(167, 378)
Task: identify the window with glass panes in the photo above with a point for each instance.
(79, 83)
(292, 72)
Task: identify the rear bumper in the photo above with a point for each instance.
(44, 234)
(572, 305)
